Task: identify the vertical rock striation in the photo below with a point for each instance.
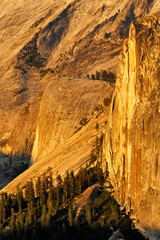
(132, 149)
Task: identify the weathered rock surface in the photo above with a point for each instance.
(64, 104)
(69, 37)
(132, 138)
(71, 154)
(45, 38)
(39, 39)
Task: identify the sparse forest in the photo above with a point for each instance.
(42, 210)
(103, 75)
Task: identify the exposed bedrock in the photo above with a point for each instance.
(132, 148)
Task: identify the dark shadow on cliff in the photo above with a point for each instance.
(11, 166)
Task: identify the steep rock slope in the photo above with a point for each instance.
(68, 37)
(64, 104)
(42, 39)
(72, 154)
(45, 130)
(132, 137)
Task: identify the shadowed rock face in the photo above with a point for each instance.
(132, 138)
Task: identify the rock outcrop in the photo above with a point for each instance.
(65, 102)
(40, 42)
(53, 128)
(132, 149)
(66, 37)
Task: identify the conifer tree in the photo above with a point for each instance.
(93, 77)
(4, 212)
(1, 214)
(31, 212)
(29, 191)
(38, 187)
(57, 197)
(19, 198)
(50, 201)
(32, 195)
(44, 216)
(59, 189)
(88, 213)
(65, 192)
(72, 184)
(104, 75)
(38, 208)
(59, 180)
(43, 193)
(20, 222)
(88, 180)
(70, 215)
(78, 183)
(45, 180)
(97, 75)
(13, 221)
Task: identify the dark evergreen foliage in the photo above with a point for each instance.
(104, 76)
(50, 213)
(97, 75)
(93, 77)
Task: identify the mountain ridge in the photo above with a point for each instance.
(59, 44)
(132, 134)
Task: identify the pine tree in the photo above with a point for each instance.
(72, 184)
(59, 189)
(59, 180)
(104, 75)
(45, 180)
(88, 213)
(66, 186)
(32, 195)
(50, 201)
(4, 212)
(97, 75)
(43, 194)
(57, 197)
(29, 191)
(19, 198)
(70, 215)
(38, 187)
(43, 216)
(77, 185)
(93, 77)
(13, 221)
(31, 212)
(1, 214)
(20, 222)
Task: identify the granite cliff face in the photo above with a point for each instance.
(45, 39)
(45, 46)
(132, 148)
(60, 141)
(64, 104)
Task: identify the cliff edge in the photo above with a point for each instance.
(132, 149)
